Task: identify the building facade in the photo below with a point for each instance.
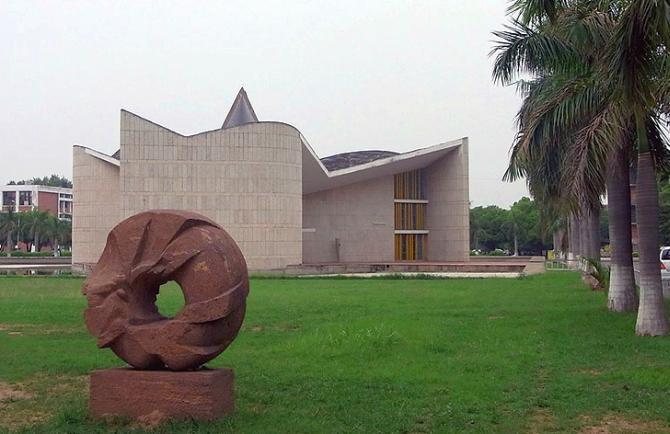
(265, 185)
(55, 200)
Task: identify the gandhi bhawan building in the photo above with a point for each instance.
(283, 205)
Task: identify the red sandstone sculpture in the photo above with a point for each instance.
(152, 248)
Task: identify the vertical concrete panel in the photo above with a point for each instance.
(96, 207)
(448, 211)
(359, 215)
(228, 175)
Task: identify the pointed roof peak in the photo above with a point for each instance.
(241, 112)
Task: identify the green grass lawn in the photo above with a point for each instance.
(535, 354)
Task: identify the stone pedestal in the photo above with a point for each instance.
(206, 394)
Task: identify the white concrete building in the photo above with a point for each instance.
(56, 200)
(283, 205)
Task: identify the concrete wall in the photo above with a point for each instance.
(97, 207)
(359, 215)
(247, 178)
(448, 211)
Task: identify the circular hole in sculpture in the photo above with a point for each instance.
(170, 299)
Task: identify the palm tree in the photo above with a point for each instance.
(58, 232)
(65, 233)
(53, 231)
(37, 226)
(622, 296)
(25, 221)
(571, 109)
(600, 59)
(642, 37)
(557, 103)
(8, 226)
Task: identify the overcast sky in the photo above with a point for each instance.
(350, 75)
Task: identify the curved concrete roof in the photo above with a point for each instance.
(316, 177)
(361, 166)
(329, 172)
(349, 159)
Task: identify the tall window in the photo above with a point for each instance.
(411, 236)
(410, 247)
(410, 185)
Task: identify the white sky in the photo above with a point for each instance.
(351, 75)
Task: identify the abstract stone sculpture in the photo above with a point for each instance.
(152, 248)
(142, 253)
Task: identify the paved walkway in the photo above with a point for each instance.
(447, 275)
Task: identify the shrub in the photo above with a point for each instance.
(599, 272)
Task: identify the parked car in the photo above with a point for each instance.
(665, 264)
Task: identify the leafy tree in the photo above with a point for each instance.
(49, 181)
(487, 228)
(525, 226)
(518, 229)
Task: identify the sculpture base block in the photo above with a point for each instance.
(206, 394)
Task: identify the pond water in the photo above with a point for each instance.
(9, 270)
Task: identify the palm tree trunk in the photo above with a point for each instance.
(585, 231)
(585, 235)
(594, 232)
(575, 240)
(622, 296)
(651, 317)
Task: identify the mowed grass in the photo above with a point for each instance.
(535, 354)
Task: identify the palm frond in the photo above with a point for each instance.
(520, 49)
(535, 11)
(587, 158)
(642, 30)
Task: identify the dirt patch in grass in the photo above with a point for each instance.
(37, 329)
(541, 421)
(16, 419)
(593, 372)
(9, 393)
(619, 424)
(288, 327)
(10, 398)
(422, 424)
(32, 402)
(258, 328)
(150, 421)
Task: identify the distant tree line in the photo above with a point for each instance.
(50, 181)
(516, 230)
(525, 229)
